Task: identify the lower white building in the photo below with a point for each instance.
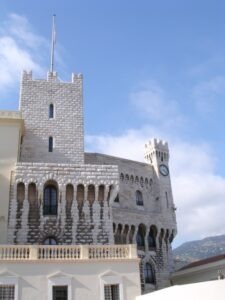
(69, 272)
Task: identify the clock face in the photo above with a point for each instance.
(164, 170)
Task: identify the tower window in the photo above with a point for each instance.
(50, 144)
(51, 111)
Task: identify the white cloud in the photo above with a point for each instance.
(18, 50)
(198, 191)
(129, 145)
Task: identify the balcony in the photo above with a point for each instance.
(64, 253)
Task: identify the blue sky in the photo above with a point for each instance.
(151, 69)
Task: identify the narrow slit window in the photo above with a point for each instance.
(51, 111)
(50, 144)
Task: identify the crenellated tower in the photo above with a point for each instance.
(157, 155)
(53, 114)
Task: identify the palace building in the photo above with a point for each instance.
(60, 203)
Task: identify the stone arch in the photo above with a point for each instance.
(126, 178)
(166, 238)
(136, 179)
(172, 235)
(121, 176)
(111, 187)
(91, 194)
(32, 193)
(140, 237)
(101, 193)
(150, 182)
(132, 179)
(125, 233)
(69, 195)
(80, 195)
(131, 234)
(141, 181)
(161, 235)
(20, 192)
(152, 237)
(118, 234)
(146, 183)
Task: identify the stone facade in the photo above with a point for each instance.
(61, 194)
(154, 219)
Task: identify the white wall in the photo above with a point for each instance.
(85, 278)
(10, 128)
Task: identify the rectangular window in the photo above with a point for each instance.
(60, 292)
(7, 292)
(111, 292)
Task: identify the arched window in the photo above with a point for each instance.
(51, 111)
(139, 198)
(50, 144)
(50, 200)
(149, 274)
(50, 241)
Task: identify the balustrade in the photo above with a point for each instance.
(66, 252)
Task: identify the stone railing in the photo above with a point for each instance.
(67, 252)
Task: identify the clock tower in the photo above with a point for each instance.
(157, 155)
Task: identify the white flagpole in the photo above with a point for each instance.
(53, 43)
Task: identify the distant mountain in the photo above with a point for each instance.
(197, 250)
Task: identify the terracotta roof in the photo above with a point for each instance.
(203, 261)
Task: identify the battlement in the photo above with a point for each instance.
(157, 144)
(51, 76)
(156, 148)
